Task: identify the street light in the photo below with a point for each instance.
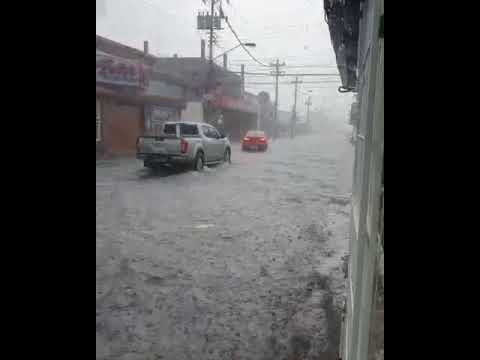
(248, 44)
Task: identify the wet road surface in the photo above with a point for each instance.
(241, 261)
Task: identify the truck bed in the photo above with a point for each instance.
(163, 145)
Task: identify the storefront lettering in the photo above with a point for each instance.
(112, 70)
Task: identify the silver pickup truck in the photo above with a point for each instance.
(184, 143)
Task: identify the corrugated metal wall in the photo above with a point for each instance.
(369, 139)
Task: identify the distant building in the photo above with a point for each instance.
(218, 90)
(130, 96)
(136, 93)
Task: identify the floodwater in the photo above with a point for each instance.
(241, 261)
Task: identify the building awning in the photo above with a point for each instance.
(342, 17)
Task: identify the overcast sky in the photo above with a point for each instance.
(295, 32)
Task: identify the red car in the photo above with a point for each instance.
(255, 140)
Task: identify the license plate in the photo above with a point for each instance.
(254, 147)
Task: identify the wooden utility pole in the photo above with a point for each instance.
(243, 78)
(212, 9)
(294, 115)
(276, 73)
(210, 81)
(308, 103)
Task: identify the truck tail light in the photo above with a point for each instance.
(183, 146)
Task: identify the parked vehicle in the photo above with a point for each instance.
(255, 140)
(184, 143)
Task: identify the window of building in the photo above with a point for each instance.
(99, 121)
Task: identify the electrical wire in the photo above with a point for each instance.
(288, 83)
(315, 55)
(299, 66)
(293, 74)
(243, 46)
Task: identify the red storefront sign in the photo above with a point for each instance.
(225, 102)
(117, 71)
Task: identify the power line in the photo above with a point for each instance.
(255, 87)
(241, 43)
(300, 66)
(287, 83)
(235, 10)
(293, 74)
(310, 66)
(302, 56)
(277, 27)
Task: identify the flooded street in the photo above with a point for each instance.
(240, 261)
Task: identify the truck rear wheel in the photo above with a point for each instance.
(199, 162)
(149, 164)
(227, 157)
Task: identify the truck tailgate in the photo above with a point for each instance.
(159, 145)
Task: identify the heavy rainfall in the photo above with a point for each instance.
(224, 168)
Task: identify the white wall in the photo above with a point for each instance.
(193, 112)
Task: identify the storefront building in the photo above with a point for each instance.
(131, 98)
(238, 114)
(119, 117)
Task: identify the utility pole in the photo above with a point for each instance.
(276, 73)
(258, 115)
(308, 103)
(243, 79)
(212, 9)
(294, 115)
(210, 81)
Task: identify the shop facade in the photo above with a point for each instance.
(237, 114)
(119, 117)
(131, 98)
